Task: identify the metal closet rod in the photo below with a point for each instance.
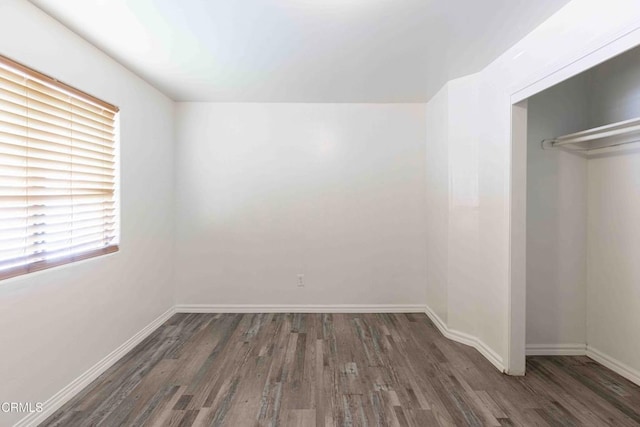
(615, 131)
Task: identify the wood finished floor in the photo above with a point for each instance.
(338, 370)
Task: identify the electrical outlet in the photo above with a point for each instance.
(301, 280)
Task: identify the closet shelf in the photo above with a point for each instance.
(613, 135)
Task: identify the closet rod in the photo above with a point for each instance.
(612, 135)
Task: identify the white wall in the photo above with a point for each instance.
(333, 191)
(56, 324)
(613, 297)
(463, 301)
(452, 197)
(569, 42)
(453, 243)
(557, 218)
(437, 196)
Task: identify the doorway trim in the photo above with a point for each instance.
(517, 191)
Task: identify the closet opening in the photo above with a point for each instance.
(579, 142)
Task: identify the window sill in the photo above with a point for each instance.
(43, 265)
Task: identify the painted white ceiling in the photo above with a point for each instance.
(301, 50)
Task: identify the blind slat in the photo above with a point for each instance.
(28, 223)
(31, 192)
(72, 149)
(26, 110)
(51, 200)
(55, 93)
(23, 131)
(34, 104)
(54, 183)
(42, 172)
(19, 136)
(51, 154)
(37, 210)
(35, 242)
(33, 95)
(39, 162)
(47, 131)
(57, 234)
(34, 123)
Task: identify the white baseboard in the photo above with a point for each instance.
(63, 396)
(305, 308)
(466, 339)
(556, 350)
(616, 366)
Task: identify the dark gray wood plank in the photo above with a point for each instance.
(338, 370)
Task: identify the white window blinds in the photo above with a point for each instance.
(57, 172)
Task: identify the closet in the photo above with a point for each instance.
(583, 217)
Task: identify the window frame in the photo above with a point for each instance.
(90, 253)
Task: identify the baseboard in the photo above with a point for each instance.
(556, 350)
(304, 308)
(466, 339)
(616, 366)
(63, 396)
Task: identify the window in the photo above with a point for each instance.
(57, 172)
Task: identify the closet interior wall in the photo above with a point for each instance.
(557, 219)
(583, 228)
